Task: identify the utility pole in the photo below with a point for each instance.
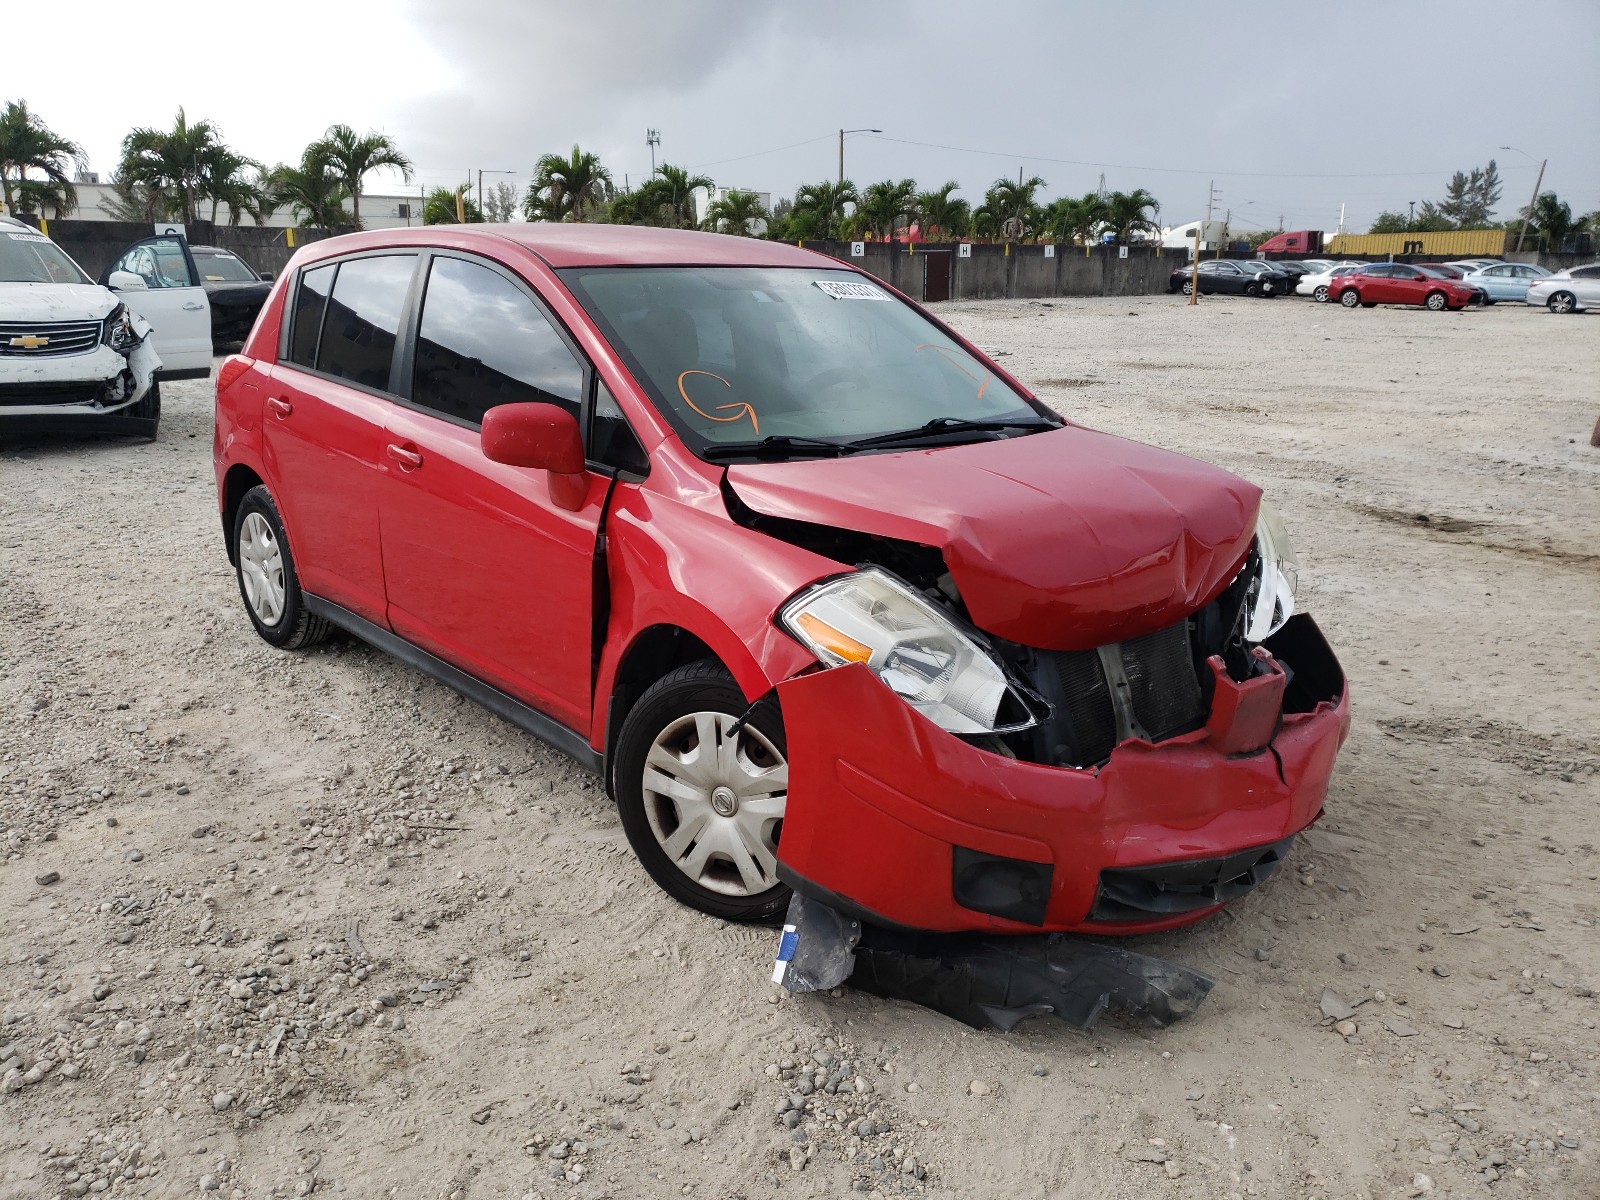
(652, 138)
(1341, 217)
(1411, 214)
(842, 132)
(1194, 265)
(1523, 232)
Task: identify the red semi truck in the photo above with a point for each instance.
(1298, 243)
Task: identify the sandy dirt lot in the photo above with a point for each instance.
(319, 926)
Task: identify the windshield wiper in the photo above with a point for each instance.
(778, 445)
(943, 425)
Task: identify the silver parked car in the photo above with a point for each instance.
(1506, 281)
(1572, 290)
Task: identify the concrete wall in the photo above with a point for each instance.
(95, 245)
(1017, 272)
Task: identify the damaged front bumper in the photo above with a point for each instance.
(894, 820)
(95, 391)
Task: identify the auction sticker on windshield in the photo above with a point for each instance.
(850, 290)
(27, 237)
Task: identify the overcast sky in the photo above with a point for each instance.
(1293, 108)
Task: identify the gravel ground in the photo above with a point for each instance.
(278, 924)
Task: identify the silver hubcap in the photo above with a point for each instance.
(715, 801)
(261, 569)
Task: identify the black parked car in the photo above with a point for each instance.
(234, 291)
(1238, 278)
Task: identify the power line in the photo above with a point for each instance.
(1075, 162)
(827, 137)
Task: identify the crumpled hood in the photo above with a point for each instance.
(1063, 540)
(55, 302)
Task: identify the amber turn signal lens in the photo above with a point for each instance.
(830, 639)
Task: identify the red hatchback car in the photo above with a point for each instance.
(1400, 283)
(829, 600)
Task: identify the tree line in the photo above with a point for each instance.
(1469, 203)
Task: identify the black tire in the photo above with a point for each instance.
(1562, 303)
(1349, 298)
(1252, 289)
(700, 687)
(1187, 287)
(1320, 293)
(1436, 302)
(149, 409)
(295, 628)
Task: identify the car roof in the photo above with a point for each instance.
(583, 244)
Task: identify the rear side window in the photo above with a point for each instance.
(1586, 272)
(310, 299)
(363, 319)
(484, 342)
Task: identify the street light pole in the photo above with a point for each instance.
(1523, 232)
(842, 132)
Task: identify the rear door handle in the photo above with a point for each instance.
(282, 407)
(192, 307)
(405, 457)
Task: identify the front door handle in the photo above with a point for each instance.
(192, 307)
(282, 407)
(407, 458)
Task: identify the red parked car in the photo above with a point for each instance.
(1400, 283)
(828, 599)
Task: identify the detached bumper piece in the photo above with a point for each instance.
(1140, 893)
(983, 980)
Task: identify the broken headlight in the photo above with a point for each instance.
(923, 655)
(1271, 599)
(120, 332)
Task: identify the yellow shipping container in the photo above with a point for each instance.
(1461, 242)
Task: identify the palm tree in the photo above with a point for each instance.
(28, 144)
(821, 205)
(168, 161)
(680, 189)
(1125, 214)
(883, 204)
(313, 190)
(440, 207)
(1011, 199)
(566, 187)
(1551, 219)
(734, 212)
(234, 180)
(1069, 220)
(941, 212)
(353, 156)
(45, 197)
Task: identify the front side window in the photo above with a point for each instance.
(160, 262)
(363, 318)
(731, 354)
(483, 342)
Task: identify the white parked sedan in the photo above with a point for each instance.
(1316, 285)
(1569, 291)
(76, 356)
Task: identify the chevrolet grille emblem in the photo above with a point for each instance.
(29, 342)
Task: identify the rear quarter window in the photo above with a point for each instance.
(310, 301)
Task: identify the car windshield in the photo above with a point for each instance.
(33, 258)
(738, 354)
(218, 266)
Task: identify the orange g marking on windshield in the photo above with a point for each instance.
(948, 353)
(746, 409)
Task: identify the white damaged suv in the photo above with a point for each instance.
(75, 356)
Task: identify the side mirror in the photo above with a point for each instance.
(542, 436)
(127, 281)
(266, 276)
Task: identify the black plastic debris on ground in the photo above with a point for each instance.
(983, 979)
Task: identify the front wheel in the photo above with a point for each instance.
(1350, 297)
(1252, 289)
(149, 409)
(1562, 303)
(1436, 302)
(1320, 293)
(267, 578)
(702, 792)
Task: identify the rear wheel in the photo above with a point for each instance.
(1320, 293)
(702, 792)
(1187, 287)
(1349, 297)
(267, 578)
(1562, 302)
